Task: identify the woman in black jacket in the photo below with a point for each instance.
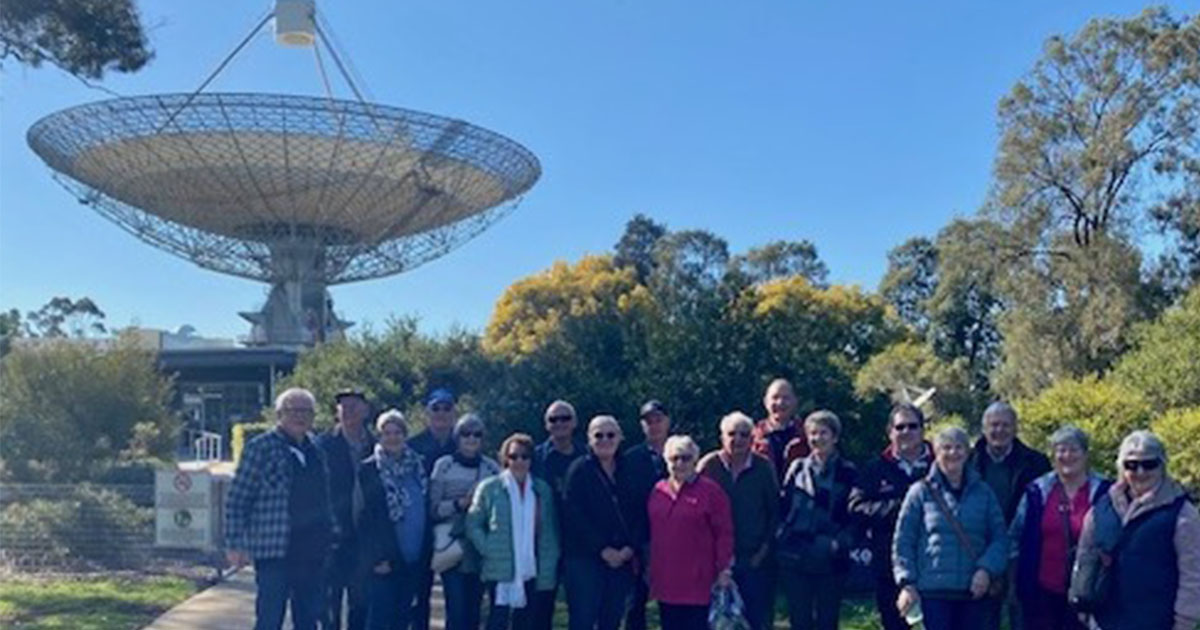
(394, 527)
(604, 525)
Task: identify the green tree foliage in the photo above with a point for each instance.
(910, 281)
(782, 259)
(64, 317)
(910, 364)
(84, 37)
(636, 247)
(69, 409)
(1163, 362)
(1178, 430)
(1106, 410)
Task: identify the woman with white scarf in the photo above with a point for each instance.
(394, 524)
(511, 523)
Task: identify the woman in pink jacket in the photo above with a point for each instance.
(691, 539)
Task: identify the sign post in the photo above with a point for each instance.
(184, 511)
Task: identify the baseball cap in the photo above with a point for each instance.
(652, 406)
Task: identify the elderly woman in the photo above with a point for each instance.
(950, 541)
(817, 530)
(512, 523)
(604, 525)
(451, 485)
(394, 524)
(1046, 529)
(1150, 530)
(749, 481)
(691, 538)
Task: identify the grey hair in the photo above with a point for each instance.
(600, 421)
(1070, 434)
(999, 408)
(824, 418)
(560, 403)
(1143, 441)
(391, 416)
(291, 392)
(952, 435)
(681, 444)
(734, 420)
(466, 422)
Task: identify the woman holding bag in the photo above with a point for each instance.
(512, 523)
(451, 486)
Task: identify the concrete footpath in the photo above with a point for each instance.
(230, 606)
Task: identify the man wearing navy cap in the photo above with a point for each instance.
(647, 467)
(432, 443)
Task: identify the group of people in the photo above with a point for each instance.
(957, 535)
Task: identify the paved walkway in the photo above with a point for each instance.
(230, 605)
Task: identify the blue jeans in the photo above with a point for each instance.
(499, 617)
(424, 588)
(596, 594)
(953, 614)
(279, 581)
(757, 587)
(345, 579)
(390, 597)
(463, 593)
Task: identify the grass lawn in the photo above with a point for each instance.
(88, 603)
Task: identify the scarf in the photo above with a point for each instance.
(523, 509)
(393, 470)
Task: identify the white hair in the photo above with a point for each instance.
(293, 392)
(1141, 442)
(600, 421)
(560, 403)
(391, 416)
(734, 420)
(681, 444)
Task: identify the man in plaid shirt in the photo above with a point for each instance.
(279, 515)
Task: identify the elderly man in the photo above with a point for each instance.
(750, 482)
(1006, 465)
(551, 459)
(345, 446)
(878, 493)
(279, 515)
(647, 467)
(433, 443)
(780, 436)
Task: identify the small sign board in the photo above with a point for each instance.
(183, 508)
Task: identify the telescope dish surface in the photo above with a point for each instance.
(256, 185)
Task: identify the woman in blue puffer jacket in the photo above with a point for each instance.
(950, 542)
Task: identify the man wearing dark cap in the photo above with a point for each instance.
(647, 467)
(345, 446)
(432, 444)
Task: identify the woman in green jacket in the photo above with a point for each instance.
(512, 524)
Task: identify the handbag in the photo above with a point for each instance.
(1091, 582)
(727, 611)
(997, 586)
(447, 550)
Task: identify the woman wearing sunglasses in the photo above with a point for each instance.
(512, 523)
(1150, 530)
(691, 539)
(451, 485)
(1046, 531)
(604, 523)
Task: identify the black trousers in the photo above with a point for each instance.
(814, 600)
(886, 593)
(683, 616)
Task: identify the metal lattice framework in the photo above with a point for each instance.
(279, 187)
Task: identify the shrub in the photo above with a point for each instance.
(1178, 429)
(87, 527)
(243, 433)
(1106, 410)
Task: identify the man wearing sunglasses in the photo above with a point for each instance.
(551, 459)
(433, 443)
(749, 481)
(878, 493)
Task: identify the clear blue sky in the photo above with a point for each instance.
(854, 125)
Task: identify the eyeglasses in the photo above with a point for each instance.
(518, 456)
(606, 435)
(471, 434)
(907, 426)
(298, 411)
(1132, 465)
(558, 419)
(682, 458)
(441, 407)
(741, 434)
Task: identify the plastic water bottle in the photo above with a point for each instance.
(914, 617)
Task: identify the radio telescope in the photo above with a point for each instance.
(300, 192)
